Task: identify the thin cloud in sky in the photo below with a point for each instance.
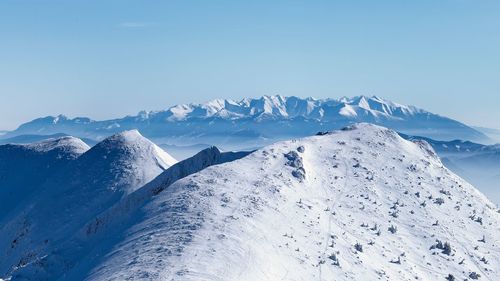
(134, 24)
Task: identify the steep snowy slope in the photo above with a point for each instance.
(479, 164)
(23, 168)
(357, 204)
(77, 192)
(81, 249)
(136, 158)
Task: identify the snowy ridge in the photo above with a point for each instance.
(205, 158)
(356, 204)
(24, 168)
(76, 192)
(74, 245)
(69, 144)
(347, 218)
(86, 245)
(132, 147)
(477, 163)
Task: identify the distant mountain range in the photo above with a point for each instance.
(493, 134)
(225, 121)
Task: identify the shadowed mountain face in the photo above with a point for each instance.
(357, 204)
(60, 184)
(270, 117)
(27, 139)
(24, 168)
(93, 192)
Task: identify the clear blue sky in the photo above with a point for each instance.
(106, 59)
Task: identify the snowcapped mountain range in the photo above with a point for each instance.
(269, 117)
(361, 203)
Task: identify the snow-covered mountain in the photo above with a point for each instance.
(24, 168)
(28, 139)
(357, 204)
(269, 117)
(73, 193)
(477, 163)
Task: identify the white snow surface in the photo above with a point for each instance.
(76, 193)
(66, 144)
(318, 208)
(144, 148)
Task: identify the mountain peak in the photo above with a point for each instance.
(66, 143)
(25, 167)
(126, 137)
(132, 145)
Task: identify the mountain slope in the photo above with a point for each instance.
(80, 248)
(27, 139)
(296, 209)
(23, 168)
(269, 117)
(357, 204)
(493, 134)
(477, 163)
(76, 193)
